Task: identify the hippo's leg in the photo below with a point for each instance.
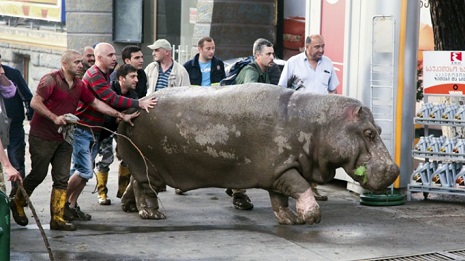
(128, 200)
(292, 184)
(147, 202)
(283, 213)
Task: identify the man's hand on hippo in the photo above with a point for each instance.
(147, 103)
(128, 117)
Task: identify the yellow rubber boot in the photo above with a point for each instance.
(57, 209)
(102, 179)
(17, 208)
(124, 175)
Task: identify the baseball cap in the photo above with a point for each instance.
(160, 43)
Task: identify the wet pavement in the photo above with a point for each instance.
(203, 225)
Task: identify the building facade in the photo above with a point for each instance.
(34, 46)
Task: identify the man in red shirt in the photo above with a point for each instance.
(57, 94)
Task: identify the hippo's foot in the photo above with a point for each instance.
(312, 216)
(150, 213)
(307, 208)
(130, 207)
(287, 217)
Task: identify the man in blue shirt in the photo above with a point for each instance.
(205, 69)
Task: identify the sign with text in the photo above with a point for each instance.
(49, 10)
(444, 72)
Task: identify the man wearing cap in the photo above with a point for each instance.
(164, 71)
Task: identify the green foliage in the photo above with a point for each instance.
(361, 172)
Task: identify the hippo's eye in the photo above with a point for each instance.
(370, 134)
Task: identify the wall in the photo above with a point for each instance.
(235, 24)
(294, 8)
(42, 48)
(82, 16)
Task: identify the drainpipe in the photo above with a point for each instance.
(406, 88)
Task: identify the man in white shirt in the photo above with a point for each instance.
(314, 71)
(311, 71)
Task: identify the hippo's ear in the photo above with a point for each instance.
(356, 114)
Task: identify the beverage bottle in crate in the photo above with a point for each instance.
(449, 112)
(424, 111)
(460, 113)
(421, 144)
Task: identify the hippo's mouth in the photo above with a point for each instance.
(361, 172)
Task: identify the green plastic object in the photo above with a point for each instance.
(382, 199)
(4, 227)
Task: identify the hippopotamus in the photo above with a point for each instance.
(254, 136)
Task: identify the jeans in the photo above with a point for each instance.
(85, 149)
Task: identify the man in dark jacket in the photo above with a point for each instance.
(132, 54)
(205, 69)
(15, 110)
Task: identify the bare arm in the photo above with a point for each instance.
(106, 109)
(13, 174)
(37, 103)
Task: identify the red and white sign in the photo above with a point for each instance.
(443, 72)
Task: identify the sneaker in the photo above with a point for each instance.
(79, 215)
(68, 213)
(242, 202)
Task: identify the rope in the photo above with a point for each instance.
(36, 217)
(29, 202)
(144, 158)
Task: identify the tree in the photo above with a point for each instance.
(448, 20)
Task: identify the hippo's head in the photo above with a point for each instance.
(361, 151)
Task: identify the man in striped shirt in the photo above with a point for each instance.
(164, 71)
(85, 147)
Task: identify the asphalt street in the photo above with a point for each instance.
(203, 225)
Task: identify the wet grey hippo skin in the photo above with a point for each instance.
(254, 136)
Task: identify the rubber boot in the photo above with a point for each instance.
(102, 179)
(17, 208)
(57, 209)
(124, 175)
